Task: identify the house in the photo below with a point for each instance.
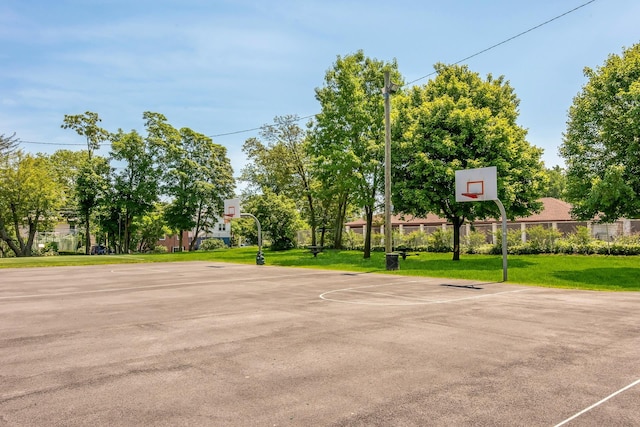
(555, 214)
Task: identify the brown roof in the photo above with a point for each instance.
(553, 210)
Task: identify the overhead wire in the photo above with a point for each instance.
(507, 40)
(555, 18)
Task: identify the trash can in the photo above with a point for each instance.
(259, 258)
(392, 261)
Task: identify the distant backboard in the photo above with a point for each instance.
(477, 185)
(232, 208)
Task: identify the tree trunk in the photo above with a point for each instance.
(87, 236)
(312, 219)
(180, 235)
(367, 238)
(457, 223)
(33, 228)
(196, 231)
(16, 230)
(322, 233)
(342, 213)
(125, 236)
(8, 240)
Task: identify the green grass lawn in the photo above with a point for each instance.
(595, 272)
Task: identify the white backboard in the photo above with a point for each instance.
(477, 185)
(232, 208)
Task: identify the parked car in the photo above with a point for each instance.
(98, 250)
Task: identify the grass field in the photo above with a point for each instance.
(593, 272)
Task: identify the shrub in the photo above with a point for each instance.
(416, 240)
(377, 240)
(440, 241)
(352, 240)
(211, 244)
(474, 241)
(514, 238)
(541, 239)
(159, 250)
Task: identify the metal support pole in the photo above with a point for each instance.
(503, 213)
(391, 259)
(259, 255)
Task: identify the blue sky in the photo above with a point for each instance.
(224, 66)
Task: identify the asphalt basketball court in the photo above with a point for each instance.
(214, 344)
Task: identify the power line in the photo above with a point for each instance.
(50, 143)
(406, 84)
(509, 39)
(258, 128)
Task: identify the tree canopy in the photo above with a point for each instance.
(601, 145)
(348, 135)
(460, 121)
(8, 144)
(29, 200)
(198, 176)
(280, 162)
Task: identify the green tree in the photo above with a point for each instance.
(283, 166)
(460, 121)
(29, 200)
(90, 181)
(151, 227)
(557, 183)
(348, 134)
(87, 125)
(65, 166)
(8, 144)
(92, 186)
(137, 184)
(198, 176)
(278, 218)
(601, 145)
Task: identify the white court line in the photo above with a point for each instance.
(418, 301)
(599, 403)
(133, 288)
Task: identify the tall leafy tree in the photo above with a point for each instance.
(601, 145)
(87, 125)
(348, 136)
(29, 200)
(90, 180)
(460, 121)
(65, 166)
(92, 186)
(136, 185)
(198, 176)
(283, 165)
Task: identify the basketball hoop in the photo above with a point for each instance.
(471, 195)
(227, 218)
(474, 189)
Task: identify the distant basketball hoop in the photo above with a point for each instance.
(227, 218)
(231, 209)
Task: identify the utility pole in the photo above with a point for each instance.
(391, 258)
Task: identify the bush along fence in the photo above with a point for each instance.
(538, 240)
